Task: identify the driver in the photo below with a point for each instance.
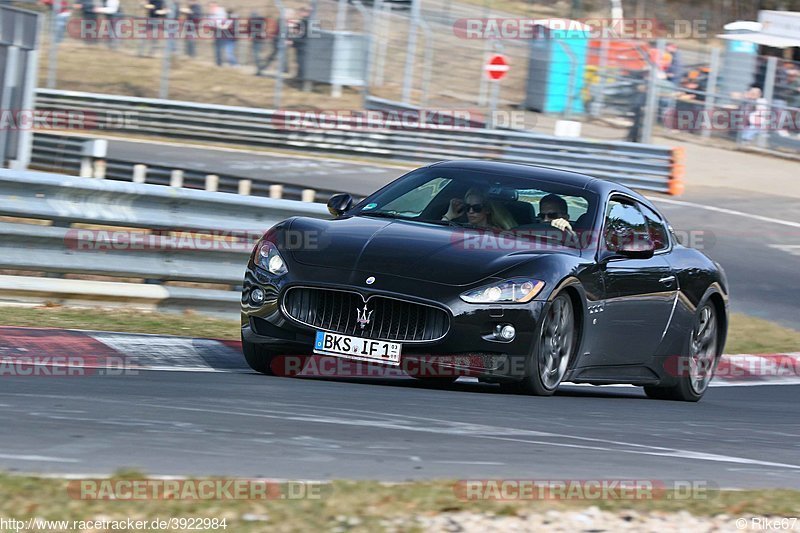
(477, 208)
(553, 209)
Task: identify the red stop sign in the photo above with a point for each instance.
(497, 67)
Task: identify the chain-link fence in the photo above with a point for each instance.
(423, 55)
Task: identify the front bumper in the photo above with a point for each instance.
(469, 347)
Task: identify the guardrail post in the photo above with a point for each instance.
(176, 178)
(139, 173)
(99, 168)
(245, 186)
(276, 191)
(212, 182)
(91, 151)
(308, 195)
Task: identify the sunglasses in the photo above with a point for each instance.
(473, 207)
(550, 215)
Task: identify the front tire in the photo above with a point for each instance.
(557, 343)
(696, 369)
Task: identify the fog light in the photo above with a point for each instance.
(506, 332)
(257, 296)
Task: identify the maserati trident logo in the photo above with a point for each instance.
(364, 316)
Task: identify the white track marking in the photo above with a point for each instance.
(43, 458)
(793, 249)
(481, 431)
(729, 212)
(158, 353)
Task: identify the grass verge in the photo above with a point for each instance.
(354, 505)
(746, 334)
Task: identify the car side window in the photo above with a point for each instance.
(624, 224)
(656, 228)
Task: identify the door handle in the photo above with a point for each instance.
(667, 280)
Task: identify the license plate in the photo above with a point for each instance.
(357, 348)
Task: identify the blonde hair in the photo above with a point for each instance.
(497, 214)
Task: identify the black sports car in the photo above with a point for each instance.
(520, 275)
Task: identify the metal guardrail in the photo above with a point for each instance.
(647, 167)
(184, 236)
(53, 152)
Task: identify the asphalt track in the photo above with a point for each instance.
(243, 424)
(237, 423)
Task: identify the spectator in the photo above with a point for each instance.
(232, 23)
(86, 8)
(674, 69)
(192, 18)
(257, 33)
(155, 13)
(219, 17)
(300, 42)
(61, 14)
(278, 39)
(793, 91)
(110, 8)
(784, 79)
(638, 104)
(752, 113)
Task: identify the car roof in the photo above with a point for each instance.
(602, 187)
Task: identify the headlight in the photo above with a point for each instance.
(268, 258)
(517, 290)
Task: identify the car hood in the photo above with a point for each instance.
(440, 254)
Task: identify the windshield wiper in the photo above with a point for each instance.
(386, 214)
(442, 222)
(382, 214)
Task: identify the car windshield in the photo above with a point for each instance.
(526, 207)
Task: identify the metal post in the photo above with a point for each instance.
(163, 91)
(341, 15)
(369, 20)
(484, 81)
(373, 40)
(711, 89)
(276, 101)
(769, 92)
(9, 84)
(494, 95)
(408, 73)
(651, 109)
(383, 44)
(427, 65)
(25, 137)
(52, 56)
(601, 71)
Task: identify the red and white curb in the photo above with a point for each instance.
(20, 346)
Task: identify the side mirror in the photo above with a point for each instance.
(632, 247)
(637, 249)
(339, 203)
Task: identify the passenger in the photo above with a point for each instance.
(553, 209)
(476, 207)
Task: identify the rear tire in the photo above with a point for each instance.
(556, 345)
(696, 368)
(258, 357)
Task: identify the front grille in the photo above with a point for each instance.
(391, 319)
